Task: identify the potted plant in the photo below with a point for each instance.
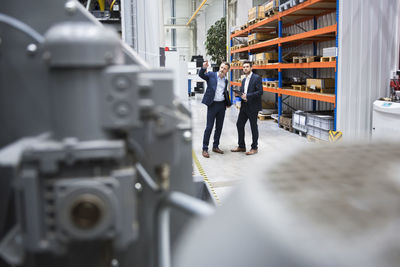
(216, 42)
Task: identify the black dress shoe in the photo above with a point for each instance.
(217, 150)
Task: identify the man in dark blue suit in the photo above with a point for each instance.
(250, 92)
(216, 99)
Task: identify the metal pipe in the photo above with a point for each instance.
(195, 13)
(19, 25)
(182, 202)
(88, 4)
(189, 205)
(173, 21)
(147, 178)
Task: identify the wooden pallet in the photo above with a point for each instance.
(263, 117)
(299, 59)
(313, 59)
(328, 59)
(285, 127)
(271, 12)
(252, 42)
(264, 62)
(243, 27)
(272, 84)
(301, 133)
(323, 91)
(303, 60)
(253, 21)
(296, 59)
(300, 87)
(236, 47)
(328, 91)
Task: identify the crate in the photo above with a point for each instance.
(324, 122)
(284, 5)
(267, 56)
(285, 122)
(329, 52)
(256, 12)
(317, 84)
(299, 121)
(259, 36)
(318, 133)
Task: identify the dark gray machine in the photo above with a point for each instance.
(93, 148)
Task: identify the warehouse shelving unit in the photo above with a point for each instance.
(308, 10)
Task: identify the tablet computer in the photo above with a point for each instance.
(237, 91)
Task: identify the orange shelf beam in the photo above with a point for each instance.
(264, 22)
(267, 67)
(242, 33)
(244, 49)
(330, 98)
(271, 90)
(303, 6)
(236, 84)
(311, 65)
(313, 33)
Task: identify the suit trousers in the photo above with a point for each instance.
(244, 115)
(215, 113)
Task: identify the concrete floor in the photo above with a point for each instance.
(226, 171)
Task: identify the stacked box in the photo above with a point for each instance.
(272, 4)
(324, 122)
(318, 133)
(319, 125)
(299, 121)
(325, 83)
(329, 52)
(267, 56)
(256, 12)
(252, 58)
(261, 36)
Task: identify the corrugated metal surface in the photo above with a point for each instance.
(307, 49)
(368, 42)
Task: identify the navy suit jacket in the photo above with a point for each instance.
(254, 93)
(212, 81)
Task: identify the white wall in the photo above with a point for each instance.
(183, 35)
(368, 54)
(148, 22)
(208, 16)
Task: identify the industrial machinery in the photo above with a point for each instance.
(94, 150)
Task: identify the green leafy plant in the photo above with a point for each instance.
(216, 41)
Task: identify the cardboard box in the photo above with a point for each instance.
(272, 4)
(267, 56)
(256, 12)
(261, 36)
(325, 83)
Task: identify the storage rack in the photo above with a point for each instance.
(308, 10)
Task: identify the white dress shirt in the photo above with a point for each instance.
(246, 83)
(219, 91)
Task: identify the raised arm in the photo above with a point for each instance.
(202, 72)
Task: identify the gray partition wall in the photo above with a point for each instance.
(368, 56)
